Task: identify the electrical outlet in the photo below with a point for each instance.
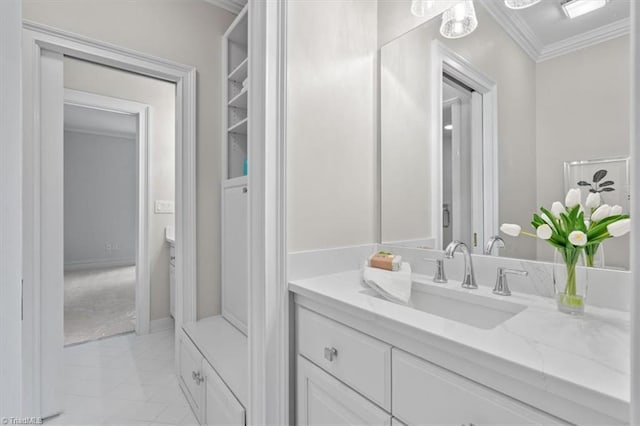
(164, 207)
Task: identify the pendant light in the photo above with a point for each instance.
(459, 21)
(420, 7)
(520, 4)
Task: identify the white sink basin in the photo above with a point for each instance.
(466, 307)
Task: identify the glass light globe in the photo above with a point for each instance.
(459, 21)
(420, 7)
(520, 4)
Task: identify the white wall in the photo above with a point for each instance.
(160, 96)
(331, 116)
(405, 130)
(583, 112)
(100, 199)
(186, 31)
(10, 208)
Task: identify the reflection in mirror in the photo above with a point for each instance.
(557, 93)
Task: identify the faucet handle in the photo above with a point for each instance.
(439, 275)
(502, 286)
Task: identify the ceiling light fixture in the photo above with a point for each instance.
(459, 21)
(575, 8)
(520, 4)
(448, 127)
(419, 8)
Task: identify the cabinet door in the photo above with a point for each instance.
(172, 290)
(235, 256)
(221, 407)
(190, 374)
(323, 400)
(424, 393)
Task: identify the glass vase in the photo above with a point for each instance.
(570, 280)
(594, 256)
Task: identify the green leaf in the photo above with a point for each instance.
(599, 175)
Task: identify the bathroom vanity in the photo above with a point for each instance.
(471, 357)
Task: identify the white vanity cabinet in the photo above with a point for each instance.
(324, 400)
(425, 393)
(345, 376)
(172, 280)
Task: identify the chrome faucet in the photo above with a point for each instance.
(469, 280)
(495, 240)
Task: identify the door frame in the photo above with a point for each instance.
(446, 61)
(271, 374)
(40, 41)
(143, 113)
(10, 209)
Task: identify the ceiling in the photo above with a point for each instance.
(545, 32)
(91, 120)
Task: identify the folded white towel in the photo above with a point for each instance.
(392, 285)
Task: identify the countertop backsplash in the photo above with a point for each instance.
(608, 288)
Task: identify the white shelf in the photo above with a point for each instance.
(226, 349)
(240, 127)
(240, 72)
(240, 100)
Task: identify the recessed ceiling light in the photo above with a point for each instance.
(448, 127)
(575, 8)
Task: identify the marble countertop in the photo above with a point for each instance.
(587, 357)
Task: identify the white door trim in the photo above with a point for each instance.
(445, 60)
(635, 214)
(10, 209)
(142, 111)
(36, 40)
(269, 357)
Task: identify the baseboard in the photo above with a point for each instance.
(98, 264)
(161, 324)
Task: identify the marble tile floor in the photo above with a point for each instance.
(123, 380)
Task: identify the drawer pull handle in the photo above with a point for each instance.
(330, 354)
(197, 377)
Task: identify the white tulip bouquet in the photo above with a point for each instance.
(566, 229)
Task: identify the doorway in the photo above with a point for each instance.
(45, 53)
(457, 161)
(105, 161)
(473, 155)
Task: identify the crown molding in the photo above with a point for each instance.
(590, 38)
(516, 27)
(233, 6)
(524, 36)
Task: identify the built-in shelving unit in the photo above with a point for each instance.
(213, 352)
(236, 62)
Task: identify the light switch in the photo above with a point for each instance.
(164, 207)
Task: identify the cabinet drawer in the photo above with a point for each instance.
(323, 400)
(360, 361)
(191, 376)
(426, 394)
(221, 406)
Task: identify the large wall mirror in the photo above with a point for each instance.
(484, 129)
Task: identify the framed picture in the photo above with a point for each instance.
(609, 177)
